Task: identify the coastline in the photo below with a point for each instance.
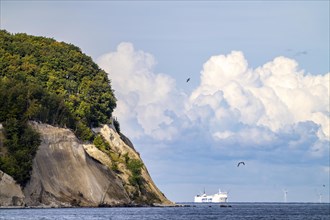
(156, 205)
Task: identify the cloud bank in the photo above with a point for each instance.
(145, 99)
(275, 106)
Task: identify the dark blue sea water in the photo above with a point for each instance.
(296, 211)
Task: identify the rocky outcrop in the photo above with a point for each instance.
(67, 172)
(65, 175)
(147, 192)
(10, 193)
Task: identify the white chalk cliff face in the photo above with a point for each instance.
(67, 172)
(148, 191)
(10, 193)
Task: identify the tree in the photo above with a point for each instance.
(51, 82)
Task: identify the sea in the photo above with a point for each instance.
(237, 211)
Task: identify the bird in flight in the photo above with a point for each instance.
(240, 163)
(188, 80)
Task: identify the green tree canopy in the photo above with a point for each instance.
(50, 82)
(60, 69)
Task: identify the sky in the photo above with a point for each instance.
(258, 89)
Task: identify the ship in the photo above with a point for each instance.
(220, 197)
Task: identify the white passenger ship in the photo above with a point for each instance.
(218, 197)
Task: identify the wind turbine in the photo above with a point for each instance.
(285, 195)
(319, 193)
(320, 197)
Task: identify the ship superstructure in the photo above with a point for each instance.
(217, 198)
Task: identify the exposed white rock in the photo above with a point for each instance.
(10, 193)
(98, 155)
(67, 173)
(64, 175)
(116, 142)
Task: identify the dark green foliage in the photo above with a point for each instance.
(61, 69)
(135, 179)
(117, 125)
(22, 143)
(20, 102)
(101, 144)
(104, 146)
(29, 101)
(135, 166)
(50, 82)
(126, 158)
(115, 167)
(83, 131)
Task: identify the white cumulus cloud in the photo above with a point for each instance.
(275, 95)
(275, 104)
(143, 96)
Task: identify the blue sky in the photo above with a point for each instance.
(259, 88)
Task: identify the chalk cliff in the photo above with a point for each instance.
(59, 143)
(10, 193)
(67, 172)
(147, 191)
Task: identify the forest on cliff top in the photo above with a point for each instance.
(51, 82)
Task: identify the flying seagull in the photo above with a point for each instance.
(188, 80)
(240, 163)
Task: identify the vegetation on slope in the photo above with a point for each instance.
(128, 168)
(51, 82)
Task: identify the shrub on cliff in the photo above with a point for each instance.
(135, 166)
(22, 143)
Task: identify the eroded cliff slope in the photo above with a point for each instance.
(67, 172)
(64, 174)
(10, 192)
